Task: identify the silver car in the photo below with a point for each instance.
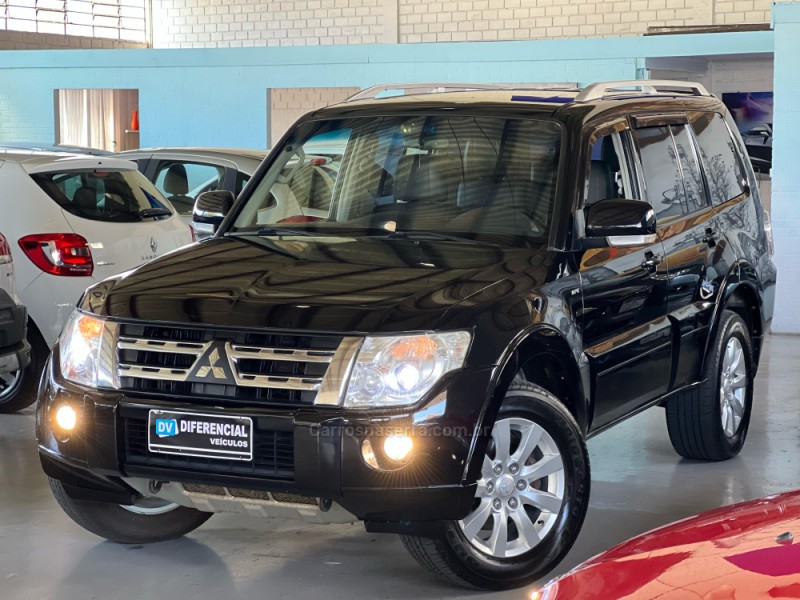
(182, 174)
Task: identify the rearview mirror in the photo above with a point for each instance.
(210, 209)
(621, 222)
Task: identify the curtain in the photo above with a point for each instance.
(97, 118)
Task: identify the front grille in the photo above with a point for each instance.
(273, 453)
(268, 368)
(202, 488)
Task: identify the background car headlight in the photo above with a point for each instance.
(80, 348)
(399, 370)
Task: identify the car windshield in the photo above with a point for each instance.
(113, 196)
(459, 176)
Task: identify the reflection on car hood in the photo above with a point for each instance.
(318, 284)
(739, 551)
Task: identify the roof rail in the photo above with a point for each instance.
(647, 87)
(391, 90)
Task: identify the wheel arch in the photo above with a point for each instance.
(741, 295)
(544, 357)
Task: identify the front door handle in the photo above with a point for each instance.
(651, 261)
(710, 237)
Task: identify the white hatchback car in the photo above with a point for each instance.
(72, 220)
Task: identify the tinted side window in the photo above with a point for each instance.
(115, 196)
(662, 171)
(723, 169)
(692, 176)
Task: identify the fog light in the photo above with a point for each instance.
(398, 447)
(66, 417)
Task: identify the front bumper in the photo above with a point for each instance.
(16, 358)
(14, 348)
(326, 449)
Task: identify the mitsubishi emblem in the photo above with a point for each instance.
(211, 368)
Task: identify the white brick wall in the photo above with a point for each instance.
(241, 23)
(741, 76)
(461, 20)
(22, 40)
(286, 105)
(210, 23)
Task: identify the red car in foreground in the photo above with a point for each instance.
(742, 552)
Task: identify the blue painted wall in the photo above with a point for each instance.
(786, 156)
(218, 97)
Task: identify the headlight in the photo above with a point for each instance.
(80, 348)
(398, 370)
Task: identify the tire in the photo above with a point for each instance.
(695, 417)
(120, 524)
(25, 387)
(472, 560)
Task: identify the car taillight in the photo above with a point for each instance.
(768, 231)
(59, 253)
(5, 251)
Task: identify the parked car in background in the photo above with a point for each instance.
(747, 551)
(71, 221)
(14, 348)
(758, 135)
(181, 174)
(760, 158)
(66, 148)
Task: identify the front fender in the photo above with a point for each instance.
(536, 341)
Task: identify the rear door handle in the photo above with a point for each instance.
(651, 261)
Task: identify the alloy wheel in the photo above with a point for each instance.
(9, 384)
(733, 387)
(520, 492)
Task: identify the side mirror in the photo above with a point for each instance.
(622, 223)
(210, 209)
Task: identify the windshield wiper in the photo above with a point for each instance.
(431, 235)
(273, 232)
(149, 213)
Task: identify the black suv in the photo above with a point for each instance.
(501, 274)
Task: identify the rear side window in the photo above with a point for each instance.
(722, 165)
(662, 171)
(690, 165)
(121, 196)
(181, 182)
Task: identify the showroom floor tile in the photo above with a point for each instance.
(638, 483)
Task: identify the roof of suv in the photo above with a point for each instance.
(528, 99)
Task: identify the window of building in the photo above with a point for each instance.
(111, 19)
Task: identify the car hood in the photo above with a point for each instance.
(740, 551)
(338, 284)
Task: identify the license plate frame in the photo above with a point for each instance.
(200, 435)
